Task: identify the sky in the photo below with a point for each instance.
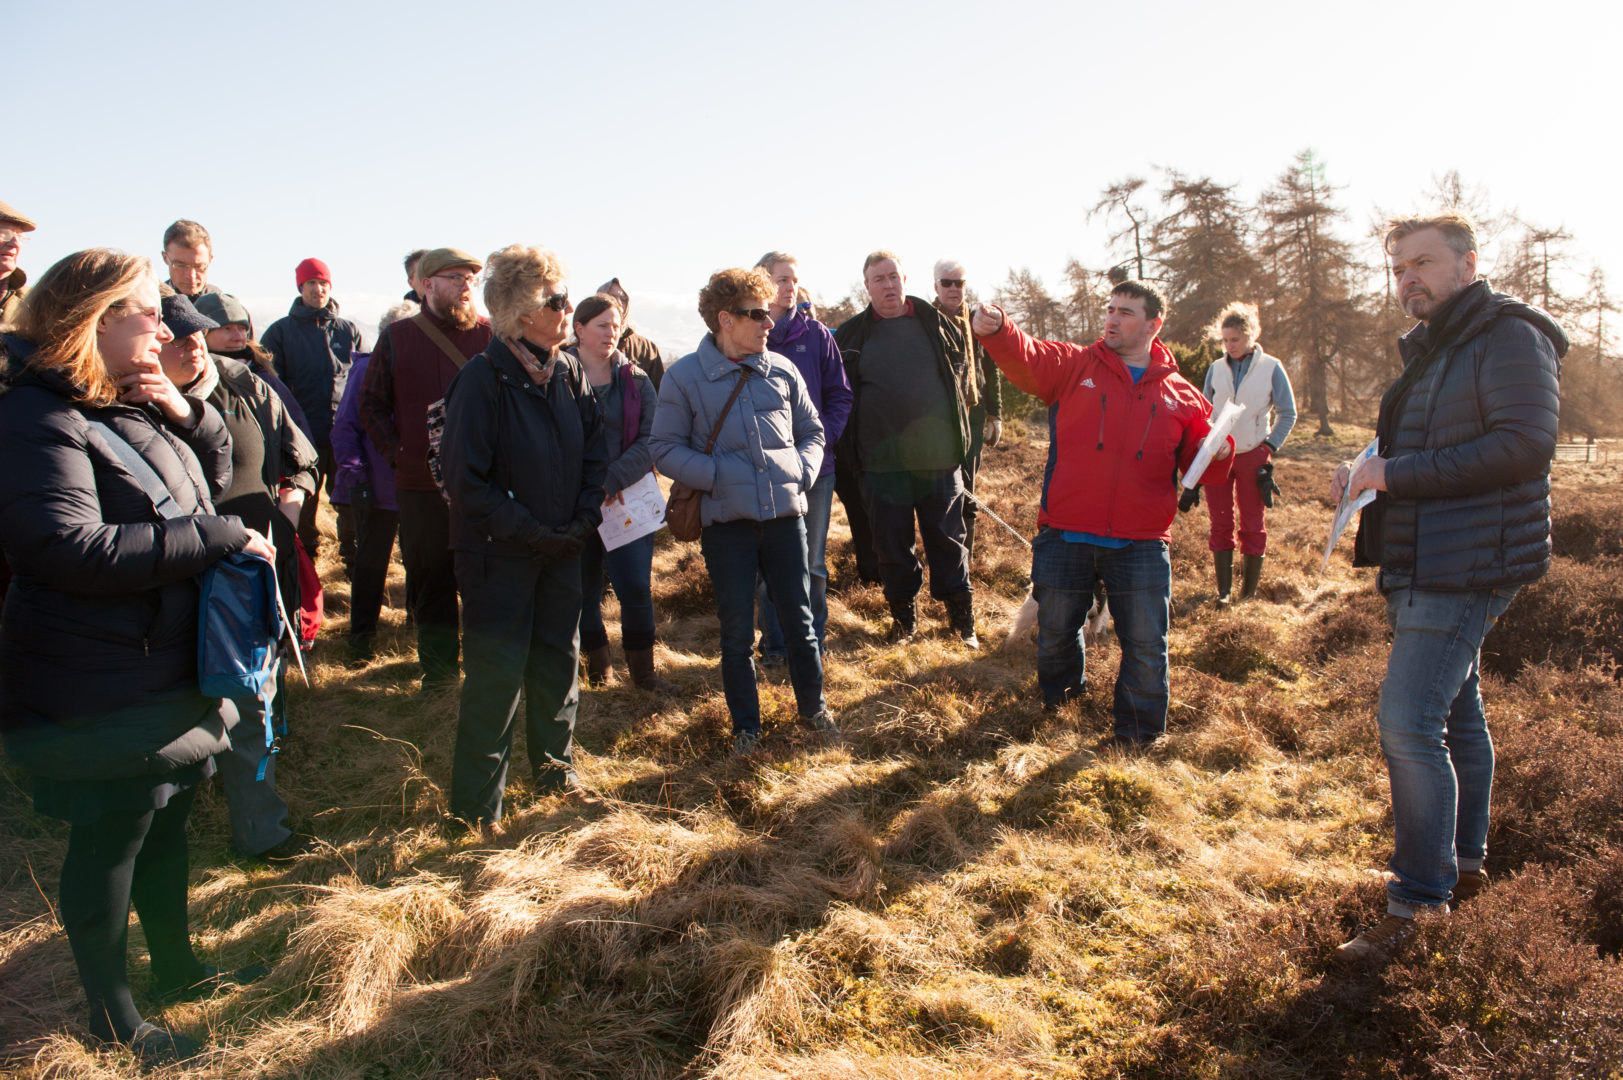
(659, 142)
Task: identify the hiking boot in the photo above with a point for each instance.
(288, 849)
(961, 616)
(1379, 945)
(822, 724)
(1253, 574)
(599, 668)
(746, 743)
(904, 615)
(1470, 883)
(640, 662)
(1224, 561)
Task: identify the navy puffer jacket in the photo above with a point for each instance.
(101, 615)
(311, 348)
(1468, 432)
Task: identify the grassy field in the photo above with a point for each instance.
(965, 889)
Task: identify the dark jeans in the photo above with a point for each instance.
(819, 505)
(734, 552)
(848, 486)
(630, 568)
(937, 500)
(116, 859)
(1138, 582)
(307, 513)
(521, 616)
(431, 580)
(375, 530)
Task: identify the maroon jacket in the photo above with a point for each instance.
(407, 374)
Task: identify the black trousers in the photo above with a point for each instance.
(307, 513)
(375, 530)
(522, 616)
(937, 500)
(112, 861)
(848, 486)
(431, 589)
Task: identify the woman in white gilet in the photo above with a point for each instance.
(1258, 381)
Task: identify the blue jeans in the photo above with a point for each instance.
(630, 568)
(819, 506)
(1435, 738)
(734, 552)
(1138, 583)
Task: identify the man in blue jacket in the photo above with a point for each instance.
(311, 348)
(1465, 439)
(809, 345)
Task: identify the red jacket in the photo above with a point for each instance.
(1115, 448)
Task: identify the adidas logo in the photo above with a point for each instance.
(1088, 382)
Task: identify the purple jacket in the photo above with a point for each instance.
(809, 345)
(354, 457)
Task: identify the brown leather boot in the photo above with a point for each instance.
(1253, 574)
(599, 668)
(640, 662)
(1224, 561)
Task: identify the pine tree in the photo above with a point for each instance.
(1203, 248)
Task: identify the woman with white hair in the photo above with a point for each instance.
(523, 460)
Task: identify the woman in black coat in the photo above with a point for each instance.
(99, 689)
(523, 459)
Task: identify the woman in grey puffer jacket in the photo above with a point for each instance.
(766, 456)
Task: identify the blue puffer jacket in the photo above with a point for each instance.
(810, 346)
(770, 447)
(1468, 432)
(311, 348)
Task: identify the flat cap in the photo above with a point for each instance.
(223, 308)
(16, 217)
(442, 259)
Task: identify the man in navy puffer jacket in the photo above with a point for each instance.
(1465, 440)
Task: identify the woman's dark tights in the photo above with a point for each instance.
(112, 861)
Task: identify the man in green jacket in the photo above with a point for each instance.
(13, 282)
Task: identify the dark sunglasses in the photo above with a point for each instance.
(953, 282)
(757, 314)
(558, 301)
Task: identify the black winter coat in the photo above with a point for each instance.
(1468, 432)
(945, 338)
(101, 615)
(517, 456)
(311, 348)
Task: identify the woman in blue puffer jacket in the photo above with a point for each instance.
(767, 455)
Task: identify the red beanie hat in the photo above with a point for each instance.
(312, 270)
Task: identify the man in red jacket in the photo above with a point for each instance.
(1122, 425)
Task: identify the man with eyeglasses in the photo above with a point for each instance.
(188, 252)
(412, 364)
(986, 411)
(908, 435)
(13, 282)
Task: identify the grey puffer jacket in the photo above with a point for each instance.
(101, 617)
(770, 447)
(1468, 432)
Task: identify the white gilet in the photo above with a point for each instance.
(1256, 393)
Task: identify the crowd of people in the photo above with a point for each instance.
(491, 448)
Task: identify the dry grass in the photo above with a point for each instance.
(966, 889)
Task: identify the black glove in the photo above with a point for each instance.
(1189, 499)
(1266, 485)
(579, 530)
(554, 545)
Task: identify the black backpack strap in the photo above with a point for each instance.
(145, 475)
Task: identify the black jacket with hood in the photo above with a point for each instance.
(1468, 431)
